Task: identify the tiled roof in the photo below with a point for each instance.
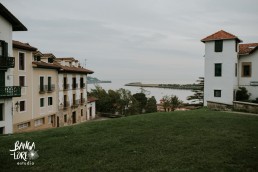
(24, 46)
(40, 64)
(37, 53)
(91, 99)
(67, 58)
(245, 49)
(220, 35)
(48, 55)
(73, 69)
(16, 24)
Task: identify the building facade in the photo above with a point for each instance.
(72, 84)
(8, 24)
(228, 67)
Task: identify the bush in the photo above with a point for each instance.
(242, 94)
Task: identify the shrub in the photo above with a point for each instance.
(242, 94)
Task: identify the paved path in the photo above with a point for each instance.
(242, 113)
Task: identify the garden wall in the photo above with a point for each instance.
(245, 107)
(219, 106)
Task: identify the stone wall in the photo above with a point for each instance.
(219, 106)
(245, 107)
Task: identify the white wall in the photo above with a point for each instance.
(227, 82)
(245, 81)
(6, 35)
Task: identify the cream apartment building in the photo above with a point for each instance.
(37, 106)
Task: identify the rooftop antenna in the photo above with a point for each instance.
(85, 60)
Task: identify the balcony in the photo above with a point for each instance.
(82, 85)
(50, 88)
(66, 86)
(74, 86)
(10, 91)
(7, 62)
(43, 89)
(82, 101)
(75, 103)
(64, 106)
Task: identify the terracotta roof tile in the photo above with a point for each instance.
(24, 46)
(245, 49)
(220, 35)
(91, 99)
(40, 64)
(48, 55)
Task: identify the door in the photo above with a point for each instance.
(90, 109)
(74, 117)
(2, 78)
(57, 121)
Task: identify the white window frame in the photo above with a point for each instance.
(25, 67)
(39, 122)
(25, 104)
(23, 125)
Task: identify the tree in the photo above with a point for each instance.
(198, 92)
(242, 94)
(151, 105)
(166, 103)
(175, 102)
(142, 101)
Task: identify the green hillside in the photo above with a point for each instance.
(199, 140)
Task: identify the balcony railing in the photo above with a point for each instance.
(7, 62)
(75, 103)
(43, 89)
(82, 101)
(50, 88)
(65, 105)
(74, 86)
(10, 91)
(66, 86)
(82, 85)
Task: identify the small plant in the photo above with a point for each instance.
(242, 94)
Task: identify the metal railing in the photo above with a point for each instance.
(82, 101)
(74, 86)
(50, 87)
(75, 103)
(7, 62)
(43, 89)
(10, 91)
(82, 85)
(66, 86)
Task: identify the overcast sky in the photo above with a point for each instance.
(139, 40)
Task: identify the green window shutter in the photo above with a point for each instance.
(218, 45)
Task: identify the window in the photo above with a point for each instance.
(4, 46)
(24, 125)
(50, 60)
(41, 102)
(74, 83)
(21, 61)
(41, 82)
(217, 93)
(50, 101)
(39, 122)
(81, 112)
(81, 83)
(37, 58)
(65, 83)
(49, 83)
(22, 81)
(1, 112)
(65, 118)
(246, 69)
(218, 69)
(22, 106)
(218, 45)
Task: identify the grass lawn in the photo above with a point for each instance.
(198, 140)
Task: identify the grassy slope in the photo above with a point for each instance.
(199, 140)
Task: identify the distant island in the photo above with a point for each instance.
(171, 86)
(92, 80)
